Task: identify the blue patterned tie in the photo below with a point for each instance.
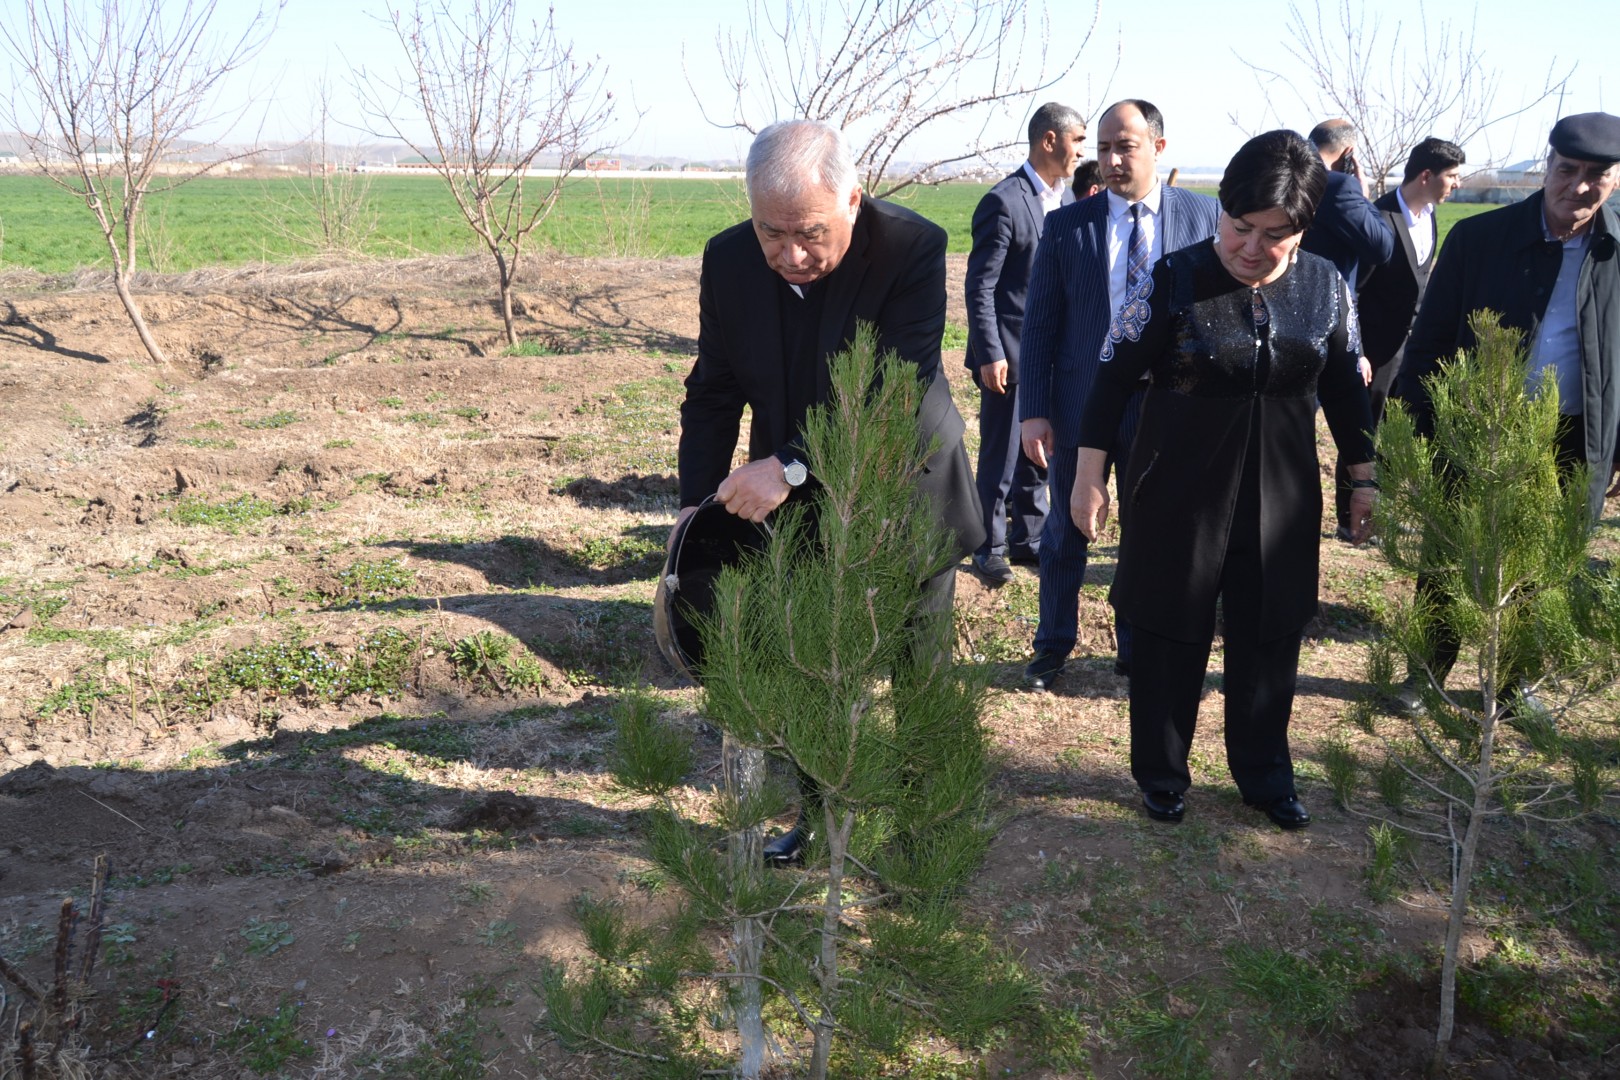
(1136, 262)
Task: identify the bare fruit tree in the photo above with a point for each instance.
(885, 71)
(104, 93)
(1398, 84)
(493, 95)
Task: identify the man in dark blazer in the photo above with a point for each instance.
(1550, 267)
(1087, 255)
(1388, 296)
(1006, 227)
(779, 294)
(1347, 231)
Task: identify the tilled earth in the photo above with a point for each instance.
(334, 879)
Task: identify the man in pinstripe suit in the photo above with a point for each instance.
(1088, 254)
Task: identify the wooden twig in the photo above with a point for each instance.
(98, 913)
(141, 1036)
(64, 958)
(110, 810)
(20, 981)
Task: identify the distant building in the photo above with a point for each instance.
(1525, 173)
(658, 166)
(602, 165)
(696, 166)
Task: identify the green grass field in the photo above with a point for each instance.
(215, 221)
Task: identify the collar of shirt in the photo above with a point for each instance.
(1051, 197)
(1119, 209)
(1579, 241)
(1413, 217)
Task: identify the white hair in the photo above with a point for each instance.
(792, 157)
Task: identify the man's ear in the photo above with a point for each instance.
(854, 201)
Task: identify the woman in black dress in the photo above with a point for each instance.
(1242, 335)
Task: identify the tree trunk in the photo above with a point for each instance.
(1483, 789)
(744, 771)
(121, 285)
(506, 299)
(832, 914)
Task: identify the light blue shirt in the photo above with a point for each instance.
(1558, 343)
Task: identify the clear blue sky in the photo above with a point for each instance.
(1183, 55)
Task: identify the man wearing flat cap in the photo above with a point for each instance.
(1549, 266)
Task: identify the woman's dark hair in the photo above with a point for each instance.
(1278, 170)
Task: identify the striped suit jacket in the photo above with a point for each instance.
(1067, 313)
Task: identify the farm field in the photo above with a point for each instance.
(239, 221)
(318, 632)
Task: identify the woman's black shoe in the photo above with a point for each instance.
(788, 849)
(1164, 805)
(1286, 813)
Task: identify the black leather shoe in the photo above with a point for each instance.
(1286, 813)
(1164, 805)
(1022, 557)
(1043, 671)
(788, 849)
(993, 570)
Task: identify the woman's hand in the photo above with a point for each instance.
(1088, 502)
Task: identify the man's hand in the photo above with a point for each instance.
(1364, 366)
(1037, 437)
(1088, 506)
(754, 490)
(1361, 509)
(993, 377)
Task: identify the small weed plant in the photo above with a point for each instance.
(279, 419)
(368, 581)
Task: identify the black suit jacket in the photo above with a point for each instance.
(892, 276)
(1389, 296)
(1347, 231)
(1006, 227)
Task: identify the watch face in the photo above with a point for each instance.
(795, 473)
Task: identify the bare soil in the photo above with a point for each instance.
(365, 863)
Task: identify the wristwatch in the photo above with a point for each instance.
(794, 471)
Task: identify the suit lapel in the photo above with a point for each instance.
(1032, 202)
(756, 286)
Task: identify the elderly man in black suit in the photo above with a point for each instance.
(782, 292)
(1550, 266)
(1347, 231)
(1006, 227)
(1388, 296)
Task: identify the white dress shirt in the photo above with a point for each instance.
(1420, 224)
(1051, 197)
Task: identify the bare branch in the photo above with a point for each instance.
(1398, 83)
(885, 71)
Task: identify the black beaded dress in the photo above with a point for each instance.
(1228, 426)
